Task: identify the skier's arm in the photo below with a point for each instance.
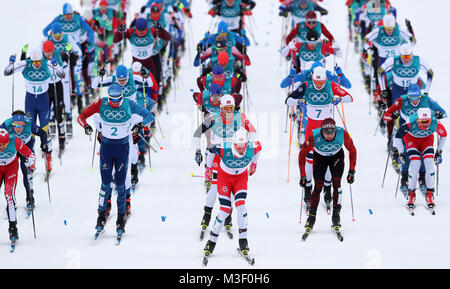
(442, 132)
(18, 67)
(207, 124)
(292, 34)
(396, 106)
(306, 148)
(213, 151)
(290, 80)
(385, 67)
(258, 149)
(161, 33)
(338, 91)
(348, 142)
(249, 127)
(89, 111)
(327, 48)
(401, 132)
(320, 9)
(24, 150)
(107, 81)
(436, 107)
(340, 79)
(49, 26)
(326, 33)
(206, 54)
(142, 111)
(426, 68)
(90, 32)
(293, 98)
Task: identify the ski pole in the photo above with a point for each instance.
(385, 169)
(149, 145)
(301, 206)
(12, 98)
(290, 141)
(286, 122)
(29, 197)
(56, 110)
(162, 133)
(48, 181)
(351, 202)
(396, 188)
(343, 122)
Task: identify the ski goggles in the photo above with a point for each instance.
(36, 62)
(414, 98)
(49, 55)
(228, 108)
(241, 146)
(57, 35)
(328, 129)
(389, 29)
(311, 22)
(18, 124)
(3, 146)
(115, 101)
(141, 32)
(215, 96)
(122, 81)
(406, 58)
(424, 123)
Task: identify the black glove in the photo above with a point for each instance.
(198, 157)
(438, 157)
(384, 94)
(323, 12)
(158, 25)
(382, 105)
(144, 72)
(99, 137)
(438, 114)
(88, 129)
(137, 127)
(395, 115)
(44, 147)
(121, 28)
(303, 182)
(199, 48)
(135, 138)
(351, 176)
(402, 158)
(102, 72)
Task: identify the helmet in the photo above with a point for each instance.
(67, 9)
(424, 117)
(240, 141)
(215, 89)
(312, 36)
(303, 2)
(103, 3)
(227, 100)
(328, 126)
(222, 28)
(121, 72)
(141, 24)
(57, 28)
(389, 21)
(319, 77)
(4, 136)
(414, 90)
(223, 58)
(136, 67)
(48, 47)
(115, 92)
(218, 70)
(316, 64)
(18, 117)
(310, 15)
(36, 54)
(155, 12)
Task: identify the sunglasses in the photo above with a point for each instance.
(228, 108)
(18, 124)
(57, 35)
(37, 62)
(406, 57)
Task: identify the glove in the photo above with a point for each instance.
(208, 173)
(439, 114)
(252, 169)
(438, 157)
(283, 13)
(99, 137)
(54, 62)
(121, 28)
(88, 129)
(137, 127)
(69, 47)
(146, 132)
(323, 12)
(338, 70)
(336, 100)
(381, 105)
(387, 116)
(351, 176)
(144, 72)
(395, 115)
(199, 48)
(292, 44)
(102, 72)
(12, 59)
(30, 160)
(402, 158)
(158, 25)
(135, 137)
(302, 104)
(44, 147)
(302, 182)
(25, 48)
(198, 157)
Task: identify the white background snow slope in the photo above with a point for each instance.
(388, 238)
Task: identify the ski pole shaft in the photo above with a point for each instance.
(351, 202)
(160, 129)
(290, 141)
(385, 169)
(29, 197)
(301, 204)
(396, 188)
(12, 97)
(48, 181)
(149, 145)
(93, 150)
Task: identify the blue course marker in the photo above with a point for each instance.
(163, 218)
(65, 222)
(267, 215)
(370, 211)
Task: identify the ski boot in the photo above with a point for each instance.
(69, 128)
(395, 164)
(327, 197)
(422, 183)
(404, 184)
(228, 226)
(62, 143)
(101, 221)
(128, 208)
(429, 198)
(309, 223)
(411, 199)
(209, 248)
(120, 224)
(134, 175)
(205, 221)
(52, 129)
(243, 246)
(335, 218)
(13, 233)
(383, 127)
(307, 198)
(30, 202)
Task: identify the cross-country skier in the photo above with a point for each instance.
(327, 142)
(299, 8)
(10, 146)
(237, 160)
(119, 117)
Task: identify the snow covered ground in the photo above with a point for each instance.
(168, 205)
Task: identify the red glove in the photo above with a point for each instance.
(387, 116)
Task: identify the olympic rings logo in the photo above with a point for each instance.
(410, 111)
(229, 13)
(421, 133)
(228, 73)
(69, 26)
(115, 115)
(6, 155)
(226, 130)
(142, 41)
(375, 17)
(319, 97)
(309, 56)
(389, 40)
(34, 75)
(329, 147)
(60, 46)
(127, 90)
(406, 71)
(237, 163)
